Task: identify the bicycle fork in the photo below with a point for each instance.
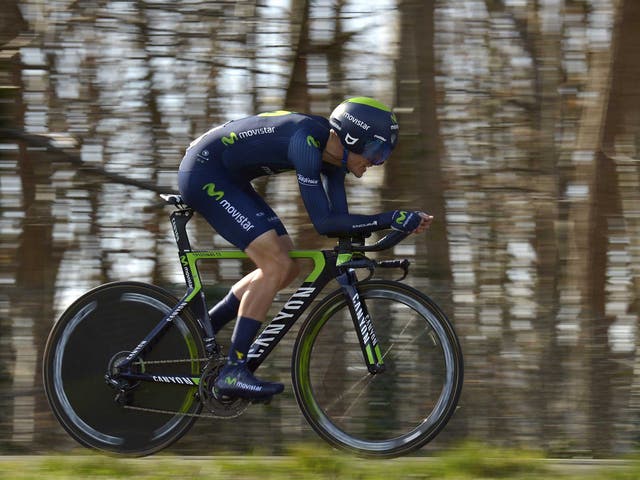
(362, 323)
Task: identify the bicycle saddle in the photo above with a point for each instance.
(173, 199)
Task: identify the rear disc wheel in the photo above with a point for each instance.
(91, 338)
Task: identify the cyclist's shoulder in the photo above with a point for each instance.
(281, 123)
(311, 130)
(291, 120)
(315, 124)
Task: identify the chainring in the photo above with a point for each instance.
(220, 408)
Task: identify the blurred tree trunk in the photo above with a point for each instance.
(590, 206)
(11, 114)
(543, 40)
(622, 145)
(35, 264)
(156, 129)
(421, 145)
(11, 23)
(297, 95)
(335, 56)
(32, 300)
(539, 32)
(420, 140)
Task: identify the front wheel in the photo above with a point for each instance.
(385, 414)
(96, 332)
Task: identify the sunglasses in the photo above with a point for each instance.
(376, 151)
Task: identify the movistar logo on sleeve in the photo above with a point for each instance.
(402, 216)
(210, 188)
(312, 142)
(231, 139)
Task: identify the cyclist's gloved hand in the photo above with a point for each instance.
(405, 221)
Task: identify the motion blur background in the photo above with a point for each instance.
(520, 124)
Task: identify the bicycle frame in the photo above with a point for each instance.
(327, 265)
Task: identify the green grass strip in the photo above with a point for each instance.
(318, 462)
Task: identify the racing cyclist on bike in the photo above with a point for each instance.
(215, 180)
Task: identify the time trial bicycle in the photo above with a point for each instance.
(376, 368)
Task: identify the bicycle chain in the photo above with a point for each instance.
(177, 360)
(171, 412)
(175, 412)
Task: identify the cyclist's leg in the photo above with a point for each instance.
(224, 311)
(237, 213)
(275, 269)
(227, 309)
(289, 270)
(270, 253)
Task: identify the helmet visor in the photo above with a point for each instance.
(376, 151)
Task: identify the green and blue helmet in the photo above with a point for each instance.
(366, 127)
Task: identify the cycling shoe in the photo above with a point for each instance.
(235, 380)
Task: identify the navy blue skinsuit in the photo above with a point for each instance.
(216, 171)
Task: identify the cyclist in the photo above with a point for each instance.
(214, 179)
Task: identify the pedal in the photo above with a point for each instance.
(111, 382)
(123, 398)
(115, 384)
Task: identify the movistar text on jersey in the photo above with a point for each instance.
(256, 131)
(242, 220)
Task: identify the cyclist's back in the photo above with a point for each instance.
(259, 145)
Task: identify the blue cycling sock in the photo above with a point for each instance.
(224, 311)
(242, 338)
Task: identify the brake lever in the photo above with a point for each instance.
(361, 263)
(371, 265)
(402, 264)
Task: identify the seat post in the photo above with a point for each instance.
(179, 220)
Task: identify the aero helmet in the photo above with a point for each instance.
(366, 127)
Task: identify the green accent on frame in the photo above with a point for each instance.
(379, 355)
(343, 258)
(370, 355)
(318, 262)
(193, 257)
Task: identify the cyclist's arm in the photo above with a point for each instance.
(334, 185)
(327, 218)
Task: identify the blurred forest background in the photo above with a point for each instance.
(520, 132)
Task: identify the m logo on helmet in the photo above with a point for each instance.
(350, 140)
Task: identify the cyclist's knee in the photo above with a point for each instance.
(280, 269)
(290, 268)
(271, 256)
(290, 272)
